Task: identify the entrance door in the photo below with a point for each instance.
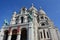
(23, 34)
(14, 34)
(5, 35)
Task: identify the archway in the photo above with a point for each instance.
(23, 34)
(22, 19)
(14, 34)
(5, 35)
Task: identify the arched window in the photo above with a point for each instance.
(42, 24)
(42, 17)
(41, 35)
(46, 18)
(38, 18)
(47, 35)
(23, 34)
(17, 19)
(14, 34)
(44, 33)
(22, 19)
(5, 35)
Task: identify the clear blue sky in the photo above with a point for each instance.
(51, 7)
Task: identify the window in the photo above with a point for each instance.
(47, 34)
(28, 19)
(43, 24)
(42, 17)
(5, 35)
(23, 34)
(14, 34)
(46, 18)
(44, 33)
(41, 35)
(17, 19)
(22, 19)
(38, 18)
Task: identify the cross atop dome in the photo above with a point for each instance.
(32, 7)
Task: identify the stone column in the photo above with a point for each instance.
(25, 17)
(30, 32)
(42, 35)
(2, 34)
(10, 33)
(19, 19)
(18, 33)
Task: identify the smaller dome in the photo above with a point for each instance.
(41, 11)
(33, 8)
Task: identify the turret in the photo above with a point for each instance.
(23, 10)
(13, 20)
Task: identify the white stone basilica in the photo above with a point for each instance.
(29, 25)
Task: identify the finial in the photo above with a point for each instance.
(14, 12)
(32, 4)
(40, 7)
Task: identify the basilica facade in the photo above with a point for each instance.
(29, 24)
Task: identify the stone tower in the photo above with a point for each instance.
(29, 25)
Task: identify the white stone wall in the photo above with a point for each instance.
(33, 31)
(53, 34)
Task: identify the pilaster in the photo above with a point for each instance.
(25, 17)
(2, 34)
(31, 32)
(10, 33)
(18, 33)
